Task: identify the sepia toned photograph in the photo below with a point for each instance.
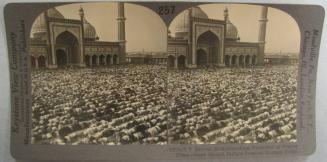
(114, 73)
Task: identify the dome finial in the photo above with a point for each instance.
(81, 12)
(226, 13)
(81, 8)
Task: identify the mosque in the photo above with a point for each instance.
(198, 41)
(201, 41)
(57, 41)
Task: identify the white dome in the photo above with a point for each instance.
(39, 26)
(89, 30)
(183, 21)
(231, 31)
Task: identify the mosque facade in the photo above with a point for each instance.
(201, 41)
(198, 41)
(57, 41)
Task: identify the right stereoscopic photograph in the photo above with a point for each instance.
(113, 73)
(238, 82)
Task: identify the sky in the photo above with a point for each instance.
(146, 31)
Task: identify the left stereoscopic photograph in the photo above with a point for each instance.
(115, 73)
(94, 77)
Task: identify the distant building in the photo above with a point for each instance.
(57, 41)
(281, 59)
(146, 58)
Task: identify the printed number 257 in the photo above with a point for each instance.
(165, 10)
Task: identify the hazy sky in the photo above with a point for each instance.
(145, 30)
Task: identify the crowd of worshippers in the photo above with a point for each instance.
(252, 105)
(117, 105)
(148, 104)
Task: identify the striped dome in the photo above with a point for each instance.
(183, 21)
(89, 30)
(231, 31)
(39, 26)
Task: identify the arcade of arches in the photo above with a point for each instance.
(202, 60)
(68, 53)
(62, 60)
(101, 60)
(176, 61)
(240, 60)
(38, 61)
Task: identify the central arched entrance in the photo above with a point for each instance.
(228, 60)
(61, 56)
(201, 57)
(181, 61)
(109, 59)
(42, 62)
(210, 42)
(87, 61)
(234, 60)
(94, 60)
(254, 60)
(115, 59)
(67, 49)
(171, 61)
(247, 60)
(241, 60)
(102, 60)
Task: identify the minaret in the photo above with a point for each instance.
(121, 32)
(82, 18)
(226, 20)
(191, 61)
(226, 14)
(81, 15)
(262, 35)
(50, 60)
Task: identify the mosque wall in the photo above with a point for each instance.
(99, 48)
(85, 48)
(38, 50)
(240, 48)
